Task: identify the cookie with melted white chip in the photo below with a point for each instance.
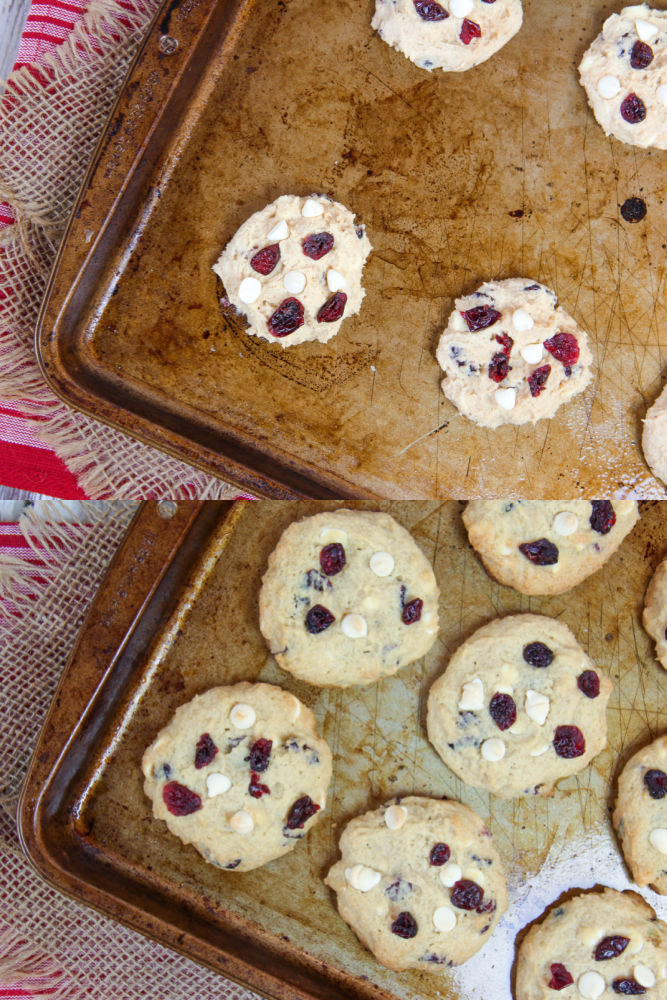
(640, 816)
(240, 773)
(519, 707)
(419, 882)
(294, 269)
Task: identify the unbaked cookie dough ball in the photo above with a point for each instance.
(511, 355)
(624, 73)
(294, 269)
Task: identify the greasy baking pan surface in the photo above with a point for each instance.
(496, 172)
(88, 826)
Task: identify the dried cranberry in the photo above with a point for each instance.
(205, 751)
(429, 10)
(332, 558)
(412, 611)
(610, 947)
(301, 811)
(317, 245)
(503, 710)
(633, 209)
(656, 783)
(179, 800)
(507, 343)
(560, 977)
(488, 907)
(603, 517)
(469, 30)
(499, 367)
(404, 925)
(318, 618)
(629, 987)
(589, 683)
(569, 742)
(480, 317)
(255, 788)
(333, 308)
(641, 55)
(265, 260)
(467, 895)
(633, 110)
(538, 379)
(542, 552)
(563, 347)
(439, 854)
(259, 754)
(536, 654)
(287, 318)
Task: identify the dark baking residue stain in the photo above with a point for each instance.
(164, 23)
(633, 209)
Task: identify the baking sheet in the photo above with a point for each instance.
(492, 173)
(280, 922)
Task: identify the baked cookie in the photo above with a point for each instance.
(294, 269)
(547, 546)
(654, 437)
(240, 773)
(519, 706)
(419, 882)
(640, 816)
(348, 597)
(453, 35)
(511, 354)
(624, 73)
(600, 944)
(655, 611)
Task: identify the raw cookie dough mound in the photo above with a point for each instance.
(348, 597)
(640, 816)
(547, 546)
(519, 706)
(240, 773)
(419, 882)
(624, 74)
(294, 269)
(452, 35)
(596, 945)
(654, 437)
(655, 611)
(511, 354)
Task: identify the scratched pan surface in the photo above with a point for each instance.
(492, 173)
(380, 750)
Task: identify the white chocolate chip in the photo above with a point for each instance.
(645, 29)
(450, 874)
(493, 750)
(444, 919)
(591, 985)
(532, 353)
(658, 839)
(354, 626)
(458, 323)
(504, 689)
(643, 975)
(608, 87)
(506, 398)
(537, 706)
(217, 784)
(472, 696)
(250, 290)
(382, 563)
(335, 280)
(329, 535)
(566, 522)
(538, 751)
(395, 817)
(279, 232)
(522, 320)
(242, 822)
(242, 716)
(294, 282)
(296, 712)
(460, 8)
(362, 878)
(661, 94)
(312, 208)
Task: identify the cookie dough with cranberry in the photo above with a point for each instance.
(240, 773)
(640, 816)
(655, 611)
(511, 355)
(654, 437)
(519, 707)
(547, 546)
(348, 597)
(595, 946)
(420, 883)
(624, 73)
(294, 269)
(453, 35)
